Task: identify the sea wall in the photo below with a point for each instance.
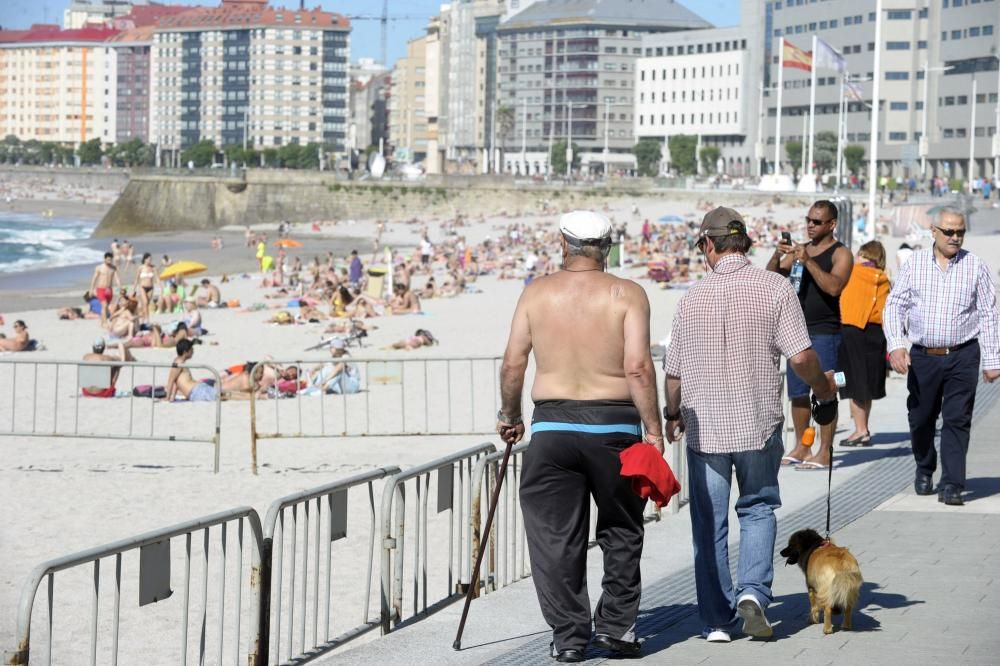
(152, 203)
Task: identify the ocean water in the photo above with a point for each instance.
(30, 242)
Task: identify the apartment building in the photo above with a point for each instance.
(248, 73)
(59, 85)
(920, 38)
(369, 92)
(696, 82)
(407, 104)
(84, 13)
(567, 72)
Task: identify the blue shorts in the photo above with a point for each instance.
(202, 392)
(827, 348)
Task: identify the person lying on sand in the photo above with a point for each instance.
(20, 340)
(156, 338)
(240, 380)
(422, 338)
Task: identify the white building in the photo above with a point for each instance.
(81, 13)
(695, 83)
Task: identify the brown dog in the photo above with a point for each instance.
(832, 576)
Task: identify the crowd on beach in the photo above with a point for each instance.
(49, 189)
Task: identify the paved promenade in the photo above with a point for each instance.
(932, 573)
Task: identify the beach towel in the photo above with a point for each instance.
(148, 391)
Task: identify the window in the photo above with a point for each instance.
(897, 46)
(956, 34)
(960, 133)
(922, 13)
(833, 23)
(823, 25)
(987, 30)
(948, 133)
(919, 106)
(897, 76)
(973, 32)
(898, 106)
(921, 43)
(962, 100)
(899, 14)
(897, 136)
(871, 16)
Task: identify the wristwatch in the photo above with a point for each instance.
(503, 418)
(671, 417)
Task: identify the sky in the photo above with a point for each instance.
(412, 17)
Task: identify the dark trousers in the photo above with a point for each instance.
(561, 471)
(945, 386)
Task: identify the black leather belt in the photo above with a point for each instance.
(943, 351)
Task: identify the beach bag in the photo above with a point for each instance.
(98, 393)
(349, 381)
(148, 391)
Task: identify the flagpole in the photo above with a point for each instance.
(873, 144)
(805, 129)
(777, 120)
(812, 107)
(840, 132)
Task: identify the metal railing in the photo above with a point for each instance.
(325, 523)
(154, 560)
(29, 389)
(453, 496)
(679, 466)
(506, 557)
(418, 396)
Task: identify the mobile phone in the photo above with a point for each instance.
(840, 379)
(786, 237)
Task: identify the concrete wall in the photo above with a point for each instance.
(160, 203)
(96, 177)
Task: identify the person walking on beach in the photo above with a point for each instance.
(723, 387)
(594, 390)
(825, 267)
(862, 344)
(944, 304)
(104, 283)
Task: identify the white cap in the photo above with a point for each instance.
(585, 225)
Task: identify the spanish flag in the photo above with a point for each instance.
(795, 57)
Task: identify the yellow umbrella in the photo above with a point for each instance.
(287, 242)
(182, 268)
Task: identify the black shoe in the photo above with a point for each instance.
(569, 656)
(950, 495)
(618, 647)
(924, 484)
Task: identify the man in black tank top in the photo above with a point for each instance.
(826, 268)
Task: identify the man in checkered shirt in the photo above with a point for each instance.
(723, 389)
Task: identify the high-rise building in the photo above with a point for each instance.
(248, 73)
(408, 104)
(369, 88)
(919, 40)
(59, 85)
(82, 13)
(567, 72)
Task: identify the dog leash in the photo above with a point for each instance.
(829, 493)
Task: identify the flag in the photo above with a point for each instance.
(796, 57)
(853, 91)
(828, 57)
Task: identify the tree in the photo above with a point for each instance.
(558, 158)
(854, 157)
(505, 123)
(90, 152)
(647, 156)
(793, 150)
(289, 154)
(309, 156)
(825, 152)
(710, 158)
(235, 153)
(270, 157)
(682, 153)
(202, 154)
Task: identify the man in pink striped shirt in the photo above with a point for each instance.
(944, 305)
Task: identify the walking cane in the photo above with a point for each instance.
(474, 581)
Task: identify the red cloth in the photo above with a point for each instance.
(652, 477)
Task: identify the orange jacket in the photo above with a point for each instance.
(863, 298)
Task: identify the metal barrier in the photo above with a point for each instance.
(154, 586)
(29, 389)
(506, 557)
(394, 518)
(335, 519)
(419, 396)
(679, 465)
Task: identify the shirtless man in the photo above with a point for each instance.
(211, 298)
(594, 390)
(20, 340)
(181, 381)
(404, 301)
(104, 283)
(97, 354)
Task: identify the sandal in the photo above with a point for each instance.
(864, 440)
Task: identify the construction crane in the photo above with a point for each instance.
(384, 19)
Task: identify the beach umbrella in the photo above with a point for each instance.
(287, 242)
(179, 268)
(671, 218)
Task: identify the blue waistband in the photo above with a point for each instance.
(595, 428)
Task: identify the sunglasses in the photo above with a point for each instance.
(813, 221)
(952, 232)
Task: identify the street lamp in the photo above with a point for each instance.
(923, 130)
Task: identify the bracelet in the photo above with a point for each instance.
(509, 420)
(656, 439)
(671, 417)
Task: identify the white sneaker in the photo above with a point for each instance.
(754, 621)
(717, 636)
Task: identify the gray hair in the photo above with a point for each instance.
(950, 210)
(590, 251)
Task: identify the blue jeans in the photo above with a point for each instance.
(710, 479)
